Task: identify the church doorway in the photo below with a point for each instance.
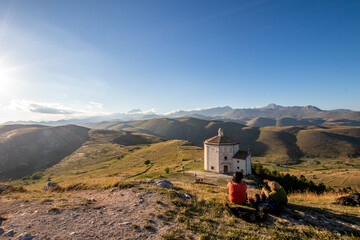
(226, 170)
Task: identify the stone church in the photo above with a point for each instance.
(223, 155)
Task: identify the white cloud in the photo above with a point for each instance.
(45, 108)
(187, 110)
(95, 105)
(25, 110)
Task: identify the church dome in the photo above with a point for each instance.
(220, 139)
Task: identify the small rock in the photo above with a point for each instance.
(54, 210)
(26, 236)
(122, 194)
(1, 231)
(72, 234)
(11, 226)
(124, 223)
(92, 222)
(119, 210)
(4, 187)
(135, 205)
(10, 233)
(114, 189)
(93, 199)
(100, 212)
(184, 195)
(74, 215)
(105, 223)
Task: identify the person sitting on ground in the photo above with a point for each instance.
(275, 199)
(237, 189)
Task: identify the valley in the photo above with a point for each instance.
(103, 182)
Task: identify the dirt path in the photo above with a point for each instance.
(202, 174)
(210, 175)
(121, 214)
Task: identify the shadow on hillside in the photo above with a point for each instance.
(39, 150)
(292, 150)
(322, 219)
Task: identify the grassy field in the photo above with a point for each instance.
(107, 165)
(340, 172)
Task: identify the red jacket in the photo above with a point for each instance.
(237, 192)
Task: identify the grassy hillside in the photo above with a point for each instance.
(279, 144)
(330, 142)
(261, 122)
(192, 129)
(28, 149)
(98, 162)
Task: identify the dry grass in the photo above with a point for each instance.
(339, 172)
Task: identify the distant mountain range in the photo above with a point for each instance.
(270, 115)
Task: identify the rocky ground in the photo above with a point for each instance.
(140, 212)
(117, 214)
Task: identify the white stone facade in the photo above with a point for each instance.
(221, 155)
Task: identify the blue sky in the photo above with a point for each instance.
(63, 59)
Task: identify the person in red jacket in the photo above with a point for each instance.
(237, 189)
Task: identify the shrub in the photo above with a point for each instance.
(76, 186)
(167, 170)
(147, 162)
(289, 182)
(37, 175)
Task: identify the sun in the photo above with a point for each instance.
(8, 83)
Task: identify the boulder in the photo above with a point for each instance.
(51, 187)
(26, 236)
(164, 183)
(161, 183)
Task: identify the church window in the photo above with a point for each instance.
(225, 157)
(212, 167)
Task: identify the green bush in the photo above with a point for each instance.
(167, 170)
(37, 175)
(147, 162)
(289, 182)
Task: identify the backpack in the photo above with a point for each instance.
(355, 197)
(248, 215)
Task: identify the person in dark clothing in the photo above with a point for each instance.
(273, 201)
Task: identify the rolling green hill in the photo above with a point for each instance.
(279, 144)
(27, 149)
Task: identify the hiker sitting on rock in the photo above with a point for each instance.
(237, 189)
(275, 200)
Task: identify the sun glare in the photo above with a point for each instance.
(7, 83)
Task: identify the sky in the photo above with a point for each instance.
(63, 59)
